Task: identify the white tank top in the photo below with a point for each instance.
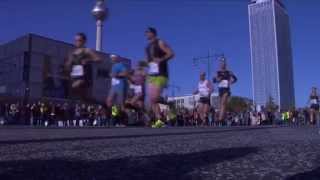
(203, 88)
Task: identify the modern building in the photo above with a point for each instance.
(271, 53)
(191, 101)
(32, 66)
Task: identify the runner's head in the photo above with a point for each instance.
(151, 33)
(223, 63)
(114, 58)
(80, 40)
(202, 76)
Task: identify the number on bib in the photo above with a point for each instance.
(314, 101)
(153, 68)
(115, 81)
(224, 84)
(203, 93)
(77, 70)
(136, 89)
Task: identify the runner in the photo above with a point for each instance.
(224, 78)
(158, 54)
(117, 93)
(204, 90)
(78, 64)
(314, 105)
(136, 93)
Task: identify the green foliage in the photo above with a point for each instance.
(238, 104)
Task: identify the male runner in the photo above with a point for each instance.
(204, 90)
(224, 78)
(136, 93)
(119, 75)
(314, 105)
(158, 54)
(78, 65)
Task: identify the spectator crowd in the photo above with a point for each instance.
(85, 115)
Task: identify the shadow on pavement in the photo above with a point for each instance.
(310, 175)
(47, 140)
(157, 167)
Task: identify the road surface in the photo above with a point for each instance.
(255, 153)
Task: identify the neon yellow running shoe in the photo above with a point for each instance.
(158, 124)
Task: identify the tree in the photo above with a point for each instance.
(237, 105)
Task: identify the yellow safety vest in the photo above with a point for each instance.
(114, 111)
(287, 116)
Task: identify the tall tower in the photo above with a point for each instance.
(99, 11)
(271, 53)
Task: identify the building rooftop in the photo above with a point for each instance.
(262, 1)
(30, 35)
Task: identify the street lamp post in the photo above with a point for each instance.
(173, 88)
(207, 61)
(99, 12)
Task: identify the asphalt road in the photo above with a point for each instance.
(160, 154)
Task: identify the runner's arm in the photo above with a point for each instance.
(166, 48)
(123, 74)
(234, 78)
(216, 79)
(210, 86)
(68, 62)
(93, 55)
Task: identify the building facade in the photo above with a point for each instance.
(271, 53)
(191, 101)
(32, 66)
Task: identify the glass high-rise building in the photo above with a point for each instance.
(271, 53)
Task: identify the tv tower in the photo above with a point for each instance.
(99, 11)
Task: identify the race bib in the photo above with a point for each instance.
(153, 68)
(314, 101)
(115, 81)
(224, 84)
(77, 70)
(136, 89)
(204, 93)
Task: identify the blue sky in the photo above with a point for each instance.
(191, 27)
